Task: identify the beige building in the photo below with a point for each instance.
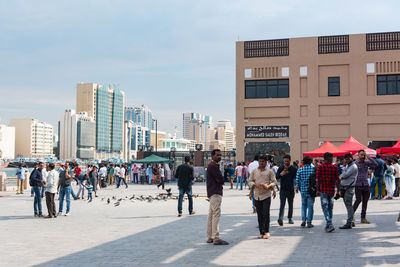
(293, 94)
(33, 139)
(226, 133)
(160, 135)
(7, 142)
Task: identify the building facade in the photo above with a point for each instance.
(106, 105)
(7, 142)
(294, 94)
(197, 127)
(76, 135)
(33, 138)
(226, 133)
(142, 116)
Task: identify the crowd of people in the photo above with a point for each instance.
(46, 180)
(326, 179)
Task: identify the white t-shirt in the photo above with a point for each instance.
(122, 172)
(117, 171)
(252, 166)
(162, 173)
(397, 169)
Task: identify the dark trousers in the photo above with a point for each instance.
(397, 191)
(289, 195)
(51, 205)
(362, 195)
(135, 178)
(161, 183)
(262, 207)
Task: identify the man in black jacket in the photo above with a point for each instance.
(287, 175)
(184, 174)
(36, 181)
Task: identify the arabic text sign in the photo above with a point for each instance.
(279, 131)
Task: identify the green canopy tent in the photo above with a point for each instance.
(152, 159)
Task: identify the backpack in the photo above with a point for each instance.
(31, 183)
(312, 186)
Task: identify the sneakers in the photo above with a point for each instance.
(67, 214)
(59, 213)
(219, 242)
(310, 225)
(303, 224)
(365, 221)
(330, 229)
(280, 222)
(346, 226)
(291, 221)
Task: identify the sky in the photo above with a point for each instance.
(173, 56)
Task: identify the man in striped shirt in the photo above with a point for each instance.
(302, 183)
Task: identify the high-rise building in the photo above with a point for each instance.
(196, 127)
(142, 116)
(7, 142)
(225, 132)
(106, 105)
(77, 135)
(33, 139)
(135, 136)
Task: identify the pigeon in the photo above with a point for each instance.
(207, 200)
(149, 198)
(132, 197)
(102, 199)
(108, 201)
(165, 198)
(116, 204)
(114, 198)
(126, 197)
(119, 200)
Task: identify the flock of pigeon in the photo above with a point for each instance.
(133, 198)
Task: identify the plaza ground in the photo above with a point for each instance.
(150, 234)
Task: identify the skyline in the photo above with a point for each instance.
(173, 56)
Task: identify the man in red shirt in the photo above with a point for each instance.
(327, 177)
(77, 171)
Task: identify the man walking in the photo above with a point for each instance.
(378, 177)
(36, 181)
(303, 176)
(396, 167)
(184, 174)
(347, 183)
(50, 191)
(362, 185)
(215, 180)
(262, 181)
(135, 171)
(287, 175)
(327, 177)
(64, 186)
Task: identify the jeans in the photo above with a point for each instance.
(42, 192)
(375, 180)
(307, 203)
(289, 195)
(161, 183)
(37, 201)
(135, 178)
(188, 191)
(89, 196)
(262, 207)
(397, 191)
(362, 195)
(65, 192)
(348, 200)
(327, 208)
(239, 180)
(73, 193)
(119, 181)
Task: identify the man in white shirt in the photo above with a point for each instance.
(121, 174)
(50, 186)
(396, 167)
(103, 173)
(162, 176)
(117, 171)
(252, 167)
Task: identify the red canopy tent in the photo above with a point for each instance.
(394, 149)
(353, 146)
(326, 147)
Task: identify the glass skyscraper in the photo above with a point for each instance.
(142, 116)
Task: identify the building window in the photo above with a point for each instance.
(388, 84)
(266, 48)
(267, 88)
(383, 41)
(333, 86)
(333, 44)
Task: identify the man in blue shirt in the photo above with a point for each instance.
(378, 177)
(21, 177)
(302, 183)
